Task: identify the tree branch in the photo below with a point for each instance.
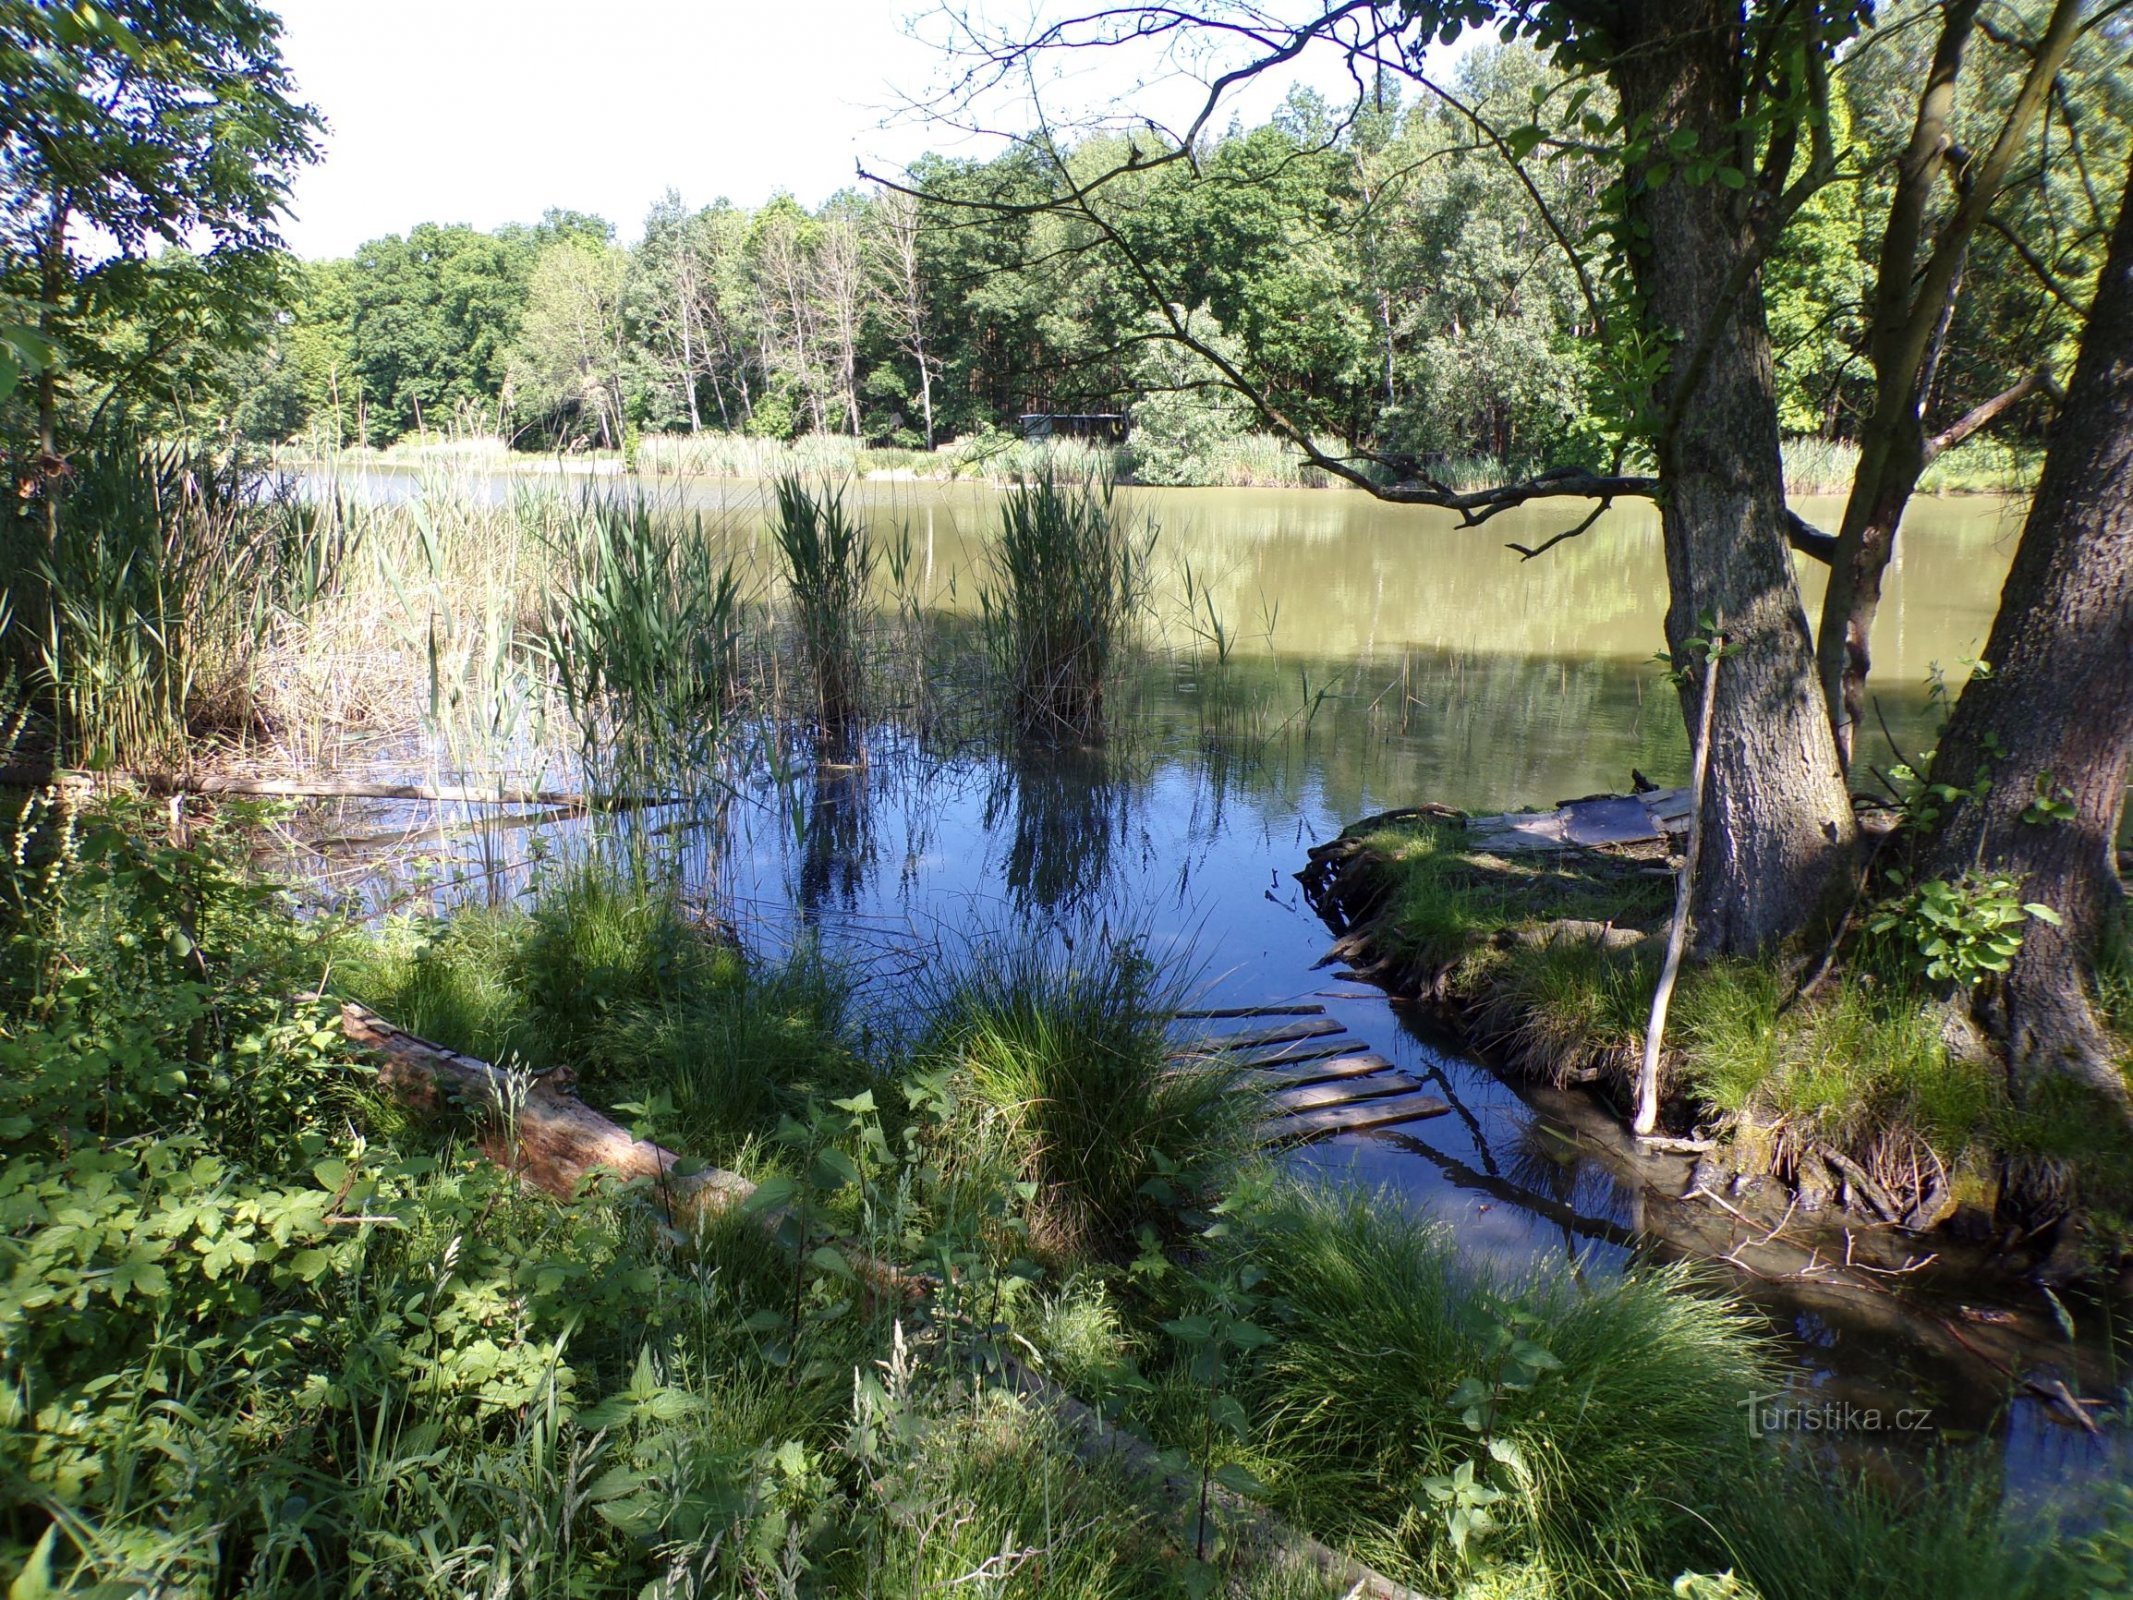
(1982, 414)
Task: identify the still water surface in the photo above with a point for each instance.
(1386, 656)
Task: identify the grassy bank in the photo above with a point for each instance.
(1858, 1092)
(264, 1333)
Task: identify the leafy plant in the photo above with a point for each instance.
(1959, 930)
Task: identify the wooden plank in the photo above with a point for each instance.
(1355, 1066)
(1309, 1028)
(1218, 1013)
(1301, 1050)
(1347, 1091)
(1353, 1119)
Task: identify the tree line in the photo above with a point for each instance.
(1380, 271)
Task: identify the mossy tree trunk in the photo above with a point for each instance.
(2053, 721)
(1779, 824)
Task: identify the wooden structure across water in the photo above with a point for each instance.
(1316, 1078)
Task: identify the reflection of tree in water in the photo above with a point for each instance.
(836, 843)
(1069, 817)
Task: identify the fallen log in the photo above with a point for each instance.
(212, 786)
(535, 1127)
(532, 1125)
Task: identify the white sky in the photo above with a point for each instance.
(491, 111)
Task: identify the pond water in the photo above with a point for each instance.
(1383, 656)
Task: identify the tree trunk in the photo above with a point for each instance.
(2054, 717)
(1779, 823)
(1911, 311)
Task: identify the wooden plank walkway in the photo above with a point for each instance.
(1314, 1078)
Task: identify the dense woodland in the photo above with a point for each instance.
(1381, 272)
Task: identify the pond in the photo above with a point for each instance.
(1375, 657)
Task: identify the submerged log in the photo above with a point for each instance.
(212, 786)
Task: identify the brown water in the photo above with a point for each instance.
(1379, 656)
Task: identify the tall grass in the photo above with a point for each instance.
(640, 636)
(829, 560)
(1605, 1464)
(1059, 602)
(145, 620)
(1066, 1072)
(1816, 466)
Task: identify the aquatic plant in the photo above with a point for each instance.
(143, 620)
(829, 560)
(640, 634)
(1059, 601)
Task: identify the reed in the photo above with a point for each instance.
(1059, 600)
(641, 639)
(829, 560)
(143, 618)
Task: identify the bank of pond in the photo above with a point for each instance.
(272, 1331)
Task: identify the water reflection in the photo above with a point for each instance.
(836, 851)
(1064, 814)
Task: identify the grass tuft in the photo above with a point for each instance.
(1604, 1464)
(1066, 1070)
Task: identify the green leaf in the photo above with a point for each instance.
(1239, 1480)
(773, 1192)
(2044, 913)
(34, 1581)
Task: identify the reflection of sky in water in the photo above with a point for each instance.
(1191, 845)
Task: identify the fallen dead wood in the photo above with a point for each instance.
(213, 786)
(535, 1127)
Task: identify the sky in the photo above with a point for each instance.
(492, 111)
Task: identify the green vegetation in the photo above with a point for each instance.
(1060, 601)
(142, 614)
(1550, 961)
(829, 562)
(1335, 259)
(1072, 1094)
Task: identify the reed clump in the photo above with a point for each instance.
(640, 637)
(828, 557)
(1059, 602)
(142, 613)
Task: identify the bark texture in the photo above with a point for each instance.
(1779, 823)
(2055, 717)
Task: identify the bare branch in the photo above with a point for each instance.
(1983, 413)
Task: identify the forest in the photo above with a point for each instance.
(1383, 274)
(1477, 949)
